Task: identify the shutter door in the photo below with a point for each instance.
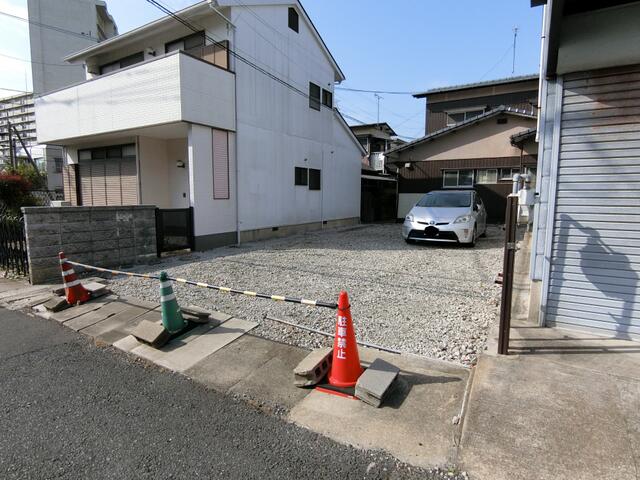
(129, 181)
(595, 268)
(110, 179)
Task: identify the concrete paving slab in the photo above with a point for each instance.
(95, 316)
(414, 425)
(56, 303)
(29, 301)
(184, 352)
(128, 343)
(9, 296)
(272, 382)
(117, 326)
(152, 333)
(76, 311)
(10, 284)
(529, 417)
(234, 362)
(376, 381)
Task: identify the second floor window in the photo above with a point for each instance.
(327, 98)
(190, 42)
(122, 63)
(293, 19)
(457, 117)
(314, 96)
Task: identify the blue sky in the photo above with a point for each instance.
(404, 45)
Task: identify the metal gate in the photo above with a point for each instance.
(174, 229)
(13, 245)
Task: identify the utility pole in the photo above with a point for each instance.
(515, 36)
(378, 97)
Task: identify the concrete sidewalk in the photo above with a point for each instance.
(561, 405)
(418, 424)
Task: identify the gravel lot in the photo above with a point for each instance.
(431, 300)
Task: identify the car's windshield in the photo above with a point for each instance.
(446, 199)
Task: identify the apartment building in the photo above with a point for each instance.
(228, 111)
(77, 25)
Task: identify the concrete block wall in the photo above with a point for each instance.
(101, 236)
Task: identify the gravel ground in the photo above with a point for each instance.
(71, 410)
(431, 300)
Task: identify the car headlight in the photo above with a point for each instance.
(463, 219)
(409, 218)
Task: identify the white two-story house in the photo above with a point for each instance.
(227, 109)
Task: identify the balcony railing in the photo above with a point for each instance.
(216, 54)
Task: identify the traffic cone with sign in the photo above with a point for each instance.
(73, 289)
(345, 368)
(172, 320)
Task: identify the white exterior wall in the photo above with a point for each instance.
(161, 182)
(277, 130)
(211, 216)
(161, 91)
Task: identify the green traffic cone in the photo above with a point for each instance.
(171, 316)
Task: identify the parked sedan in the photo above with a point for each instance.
(456, 216)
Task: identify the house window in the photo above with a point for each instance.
(457, 178)
(185, 43)
(314, 96)
(457, 117)
(122, 63)
(506, 174)
(220, 165)
(57, 166)
(293, 19)
(489, 175)
(314, 179)
(301, 176)
(327, 98)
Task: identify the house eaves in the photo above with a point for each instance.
(190, 12)
(458, 126)
(519, 138)
(132, 35)
(488, 83)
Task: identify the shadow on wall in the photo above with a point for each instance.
(592, 256)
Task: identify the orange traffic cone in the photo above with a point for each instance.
(345, 368)
(73, 289)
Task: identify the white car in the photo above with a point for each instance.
(455, 216)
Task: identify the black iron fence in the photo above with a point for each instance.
(174, 229)
(13, 245)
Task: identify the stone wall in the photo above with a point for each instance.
(101, 236)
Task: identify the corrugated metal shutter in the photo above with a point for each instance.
(595, 265)
(129, 181)
(109, 181)
(220, 165)
(69, 184)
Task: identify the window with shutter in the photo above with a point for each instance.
(220, 165)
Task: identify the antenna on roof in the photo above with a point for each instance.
(378, 97)
(515, 36)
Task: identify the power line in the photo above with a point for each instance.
(497, 63)
(39, 63)
(374, 91)
(51, 27)
(233, 53)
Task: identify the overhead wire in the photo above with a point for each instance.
(51, 27)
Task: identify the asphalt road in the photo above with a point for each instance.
(70, 409)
